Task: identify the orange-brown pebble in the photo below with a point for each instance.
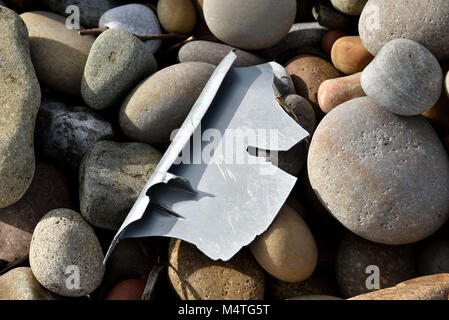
(329, 39)
(131, 289)
(334, 92)
(308, 72)
(349, 55)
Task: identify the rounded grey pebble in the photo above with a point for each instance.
(384, 177)
(213, 53)
(64, 134)
(90, 10)
(282, 81)
(117, 61)
(112, 176)
(303, 110)
(135, 18)
(64, 244)
(404, 78)
(351, 7)
(425, 22)
(358, 258)
(433, 257)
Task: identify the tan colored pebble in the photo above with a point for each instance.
(196, 277)
(334, 92)
(349, 55)
(176, 15)
(287, 250)
(58, 54)
(434, 287)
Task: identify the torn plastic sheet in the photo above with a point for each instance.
(219, 206)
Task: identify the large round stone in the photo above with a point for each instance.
(383, 176)
(250, 24)
(425, 22)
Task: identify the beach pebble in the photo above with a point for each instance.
(303, 111)
(433, 257)
(59, 54)
(328, 40)
(356, 258)
(90, 10)
(176, 15)
(349, 55)
(287, 250)
(351, 7)
(160, 103)
(63, 243)
(334, 92)
(377, 172)
(300, 37)
(194, 276)
(282, 81)
(135, 18)
(20, 284)
(308, 72)
(64, 134)
(327, 16)
(131, 289)
(213, 53)
(382, 21)
(49, 190)
(404, 78)
(116, 63)
(434, 287)
(20, 99)
(112, 176)
(250, 24)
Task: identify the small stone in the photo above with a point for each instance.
(303, 111)
(160, 103)
(90, 10)
(131, 289)
(20, 99)
(287, 250)
(301, 36)
(49, 190)
(116, 63)
(351, 7)
(196, 277)
(404, 78)
(433, 257)
(176, 15)
(136, 19)
(282, 81)
(20, 284)
(63, 241)
(349, 55)
(59, 54)
(319, 283)
(427, 23)
(250, 24)
(64, 134)
(329, 39)
(355, 256)
(112, 176)
(434, 287)
(213, 53)
(377, 172)
(327, 16)
(308, 72)
(334, 92)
